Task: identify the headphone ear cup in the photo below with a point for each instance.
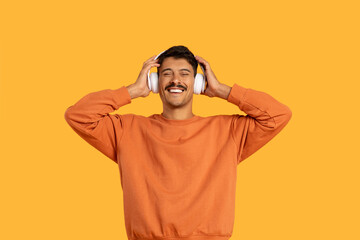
(153, 82)
(199, 83)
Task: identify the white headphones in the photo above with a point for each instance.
(199, 83)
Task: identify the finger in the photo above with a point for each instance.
(153, 61)
(150, 59)
(145, 65)
(203, 63)
(203, 59)
(150, 65)
(200, 59)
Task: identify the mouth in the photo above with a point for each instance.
(177, 91)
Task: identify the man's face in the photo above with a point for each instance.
(176, 73)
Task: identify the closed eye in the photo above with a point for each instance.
(167, 74)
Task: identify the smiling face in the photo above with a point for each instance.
(176, 73)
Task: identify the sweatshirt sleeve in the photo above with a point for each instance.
(90, 118)
(265, 118)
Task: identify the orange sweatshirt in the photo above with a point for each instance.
(178, 176)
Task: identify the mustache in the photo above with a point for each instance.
(173, 85)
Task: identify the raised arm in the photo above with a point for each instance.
(265, 118)
(90, 118)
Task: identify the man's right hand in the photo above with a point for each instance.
(140, 87)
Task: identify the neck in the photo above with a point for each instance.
(177, 114)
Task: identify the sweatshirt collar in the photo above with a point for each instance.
(163, 119)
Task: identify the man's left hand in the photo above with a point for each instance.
(212, 83)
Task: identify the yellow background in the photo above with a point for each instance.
(304, 184)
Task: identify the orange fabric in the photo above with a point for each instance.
(178, 176)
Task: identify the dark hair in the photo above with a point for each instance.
(179, 52)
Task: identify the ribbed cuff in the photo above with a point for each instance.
(237, 94)
(121, 96)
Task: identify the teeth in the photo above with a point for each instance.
(176, 90)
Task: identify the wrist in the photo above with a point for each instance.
(223, 91)
(133, 91)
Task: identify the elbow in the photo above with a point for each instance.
(286, 116)
(67, 115)
(282, 119)
(288, 113)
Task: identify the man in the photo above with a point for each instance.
(178, 170)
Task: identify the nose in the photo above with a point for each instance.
(175, 79)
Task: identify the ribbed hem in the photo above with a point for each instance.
(193, 237)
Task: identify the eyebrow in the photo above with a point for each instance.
(185, 69)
